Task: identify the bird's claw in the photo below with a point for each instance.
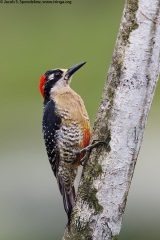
(87, 150)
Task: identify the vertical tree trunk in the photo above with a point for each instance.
(120, 121)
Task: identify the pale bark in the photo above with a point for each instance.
(121, 121)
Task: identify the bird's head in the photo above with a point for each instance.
(57, 78)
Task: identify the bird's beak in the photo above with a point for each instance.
(72, 70)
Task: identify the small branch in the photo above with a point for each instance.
(120, 121)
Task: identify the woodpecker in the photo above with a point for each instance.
(66, 129)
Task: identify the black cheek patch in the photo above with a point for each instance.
(50, 83)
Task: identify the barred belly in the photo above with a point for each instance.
(69, 139)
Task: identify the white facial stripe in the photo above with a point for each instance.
(64, 70)
(51, 76)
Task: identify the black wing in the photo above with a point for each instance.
(51, 123)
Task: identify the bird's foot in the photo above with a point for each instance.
(87, 150)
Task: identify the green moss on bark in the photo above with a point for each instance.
(82, 234)
(87, 190)
(81, 230)
(131, 21)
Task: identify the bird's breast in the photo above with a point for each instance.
(74, 133)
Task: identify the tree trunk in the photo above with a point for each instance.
(120, 121)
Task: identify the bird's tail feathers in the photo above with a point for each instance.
(68, 198)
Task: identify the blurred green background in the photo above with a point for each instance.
(35, 38)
